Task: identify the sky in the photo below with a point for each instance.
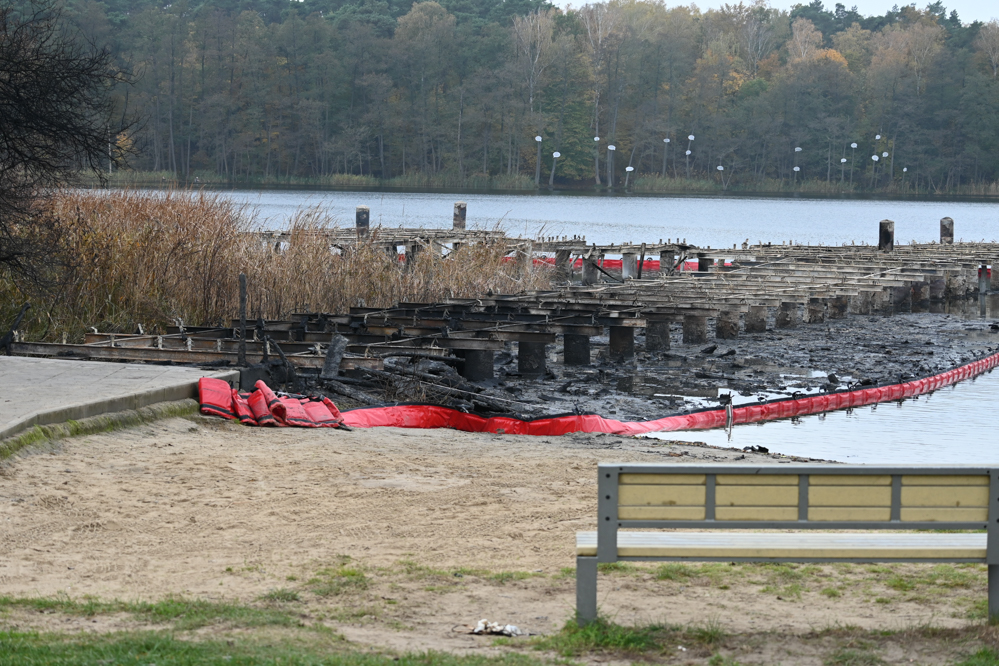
(968, 10)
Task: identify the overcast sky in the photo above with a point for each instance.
(968, 10)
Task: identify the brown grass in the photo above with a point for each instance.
(129, 257)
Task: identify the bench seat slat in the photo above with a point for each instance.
(847, 545)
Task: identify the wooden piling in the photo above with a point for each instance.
(815, 311)
(629, 265)
(886, 236)
(695, 330)
(756, 319)
(946, 231)
(531, 359)
(576, 349)
(657, 335)
(622, 342)
(787, 315)
(460, 212)
(362, 221)
(727, 325)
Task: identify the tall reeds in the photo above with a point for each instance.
(127, 258)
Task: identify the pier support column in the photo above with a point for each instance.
(787, 315)
(704, 264)
(656, 336)
(946, 231)
(920, 296)
(412, 252)
(886, 236)
(901, 298)
(695, 329)
(727, 325)
(590, 273)
(362, 221)
(478, 365)
(756, 319)
(622, 342)
(576, 349)
(815, 311)
(666, 260)
(460, 213)
(629, 266)
(938, 289)
(531, 359)
(563, 264)
(983, 279)
(838, 307)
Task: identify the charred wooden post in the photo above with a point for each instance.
(666, 260)
(946, 231)
(815, 311)
(886, 235)
(241, 357)
(938, 289)
(460, 212)
(622, 342)
(727, 325)
(756, 319)
(412, 252)
(657, 335)
(563, 264)
(838, 307)
(478, 365)
(576, 349)
(983, 279)
(695, 329)
(704, 264)
(629, 265)
(920, 296)
(531, 359)
(901, 298)
(591, 275)
(362, 221)
(787, 315)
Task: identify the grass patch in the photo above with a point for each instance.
(984, 657)
(674, 571)
(616, 567)
(503, 577)
(183, 614)
(281, 594)
(145, 648)
(785, 580)
(343, 577)
(602, 635)
(830, 592)
(854, 657)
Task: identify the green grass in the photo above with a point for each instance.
(182, 614)
(854, 657)
(163, 649)
(602, 635)
(281, 594)
(984, 657)
(785, 580)
(343, 577)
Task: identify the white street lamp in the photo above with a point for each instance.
(797, 150)
(853, 145)
(610, 165)
(537, 164)
(875, 158)
(688, 152)
(612, 147)
(556, 154)
(877, 137)
(884, 154)
(797, 169)
(720, 167)
(843, 161)
(904, 169)
(690, 137)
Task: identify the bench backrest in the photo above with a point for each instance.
(786, 496)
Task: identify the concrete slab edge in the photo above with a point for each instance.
(119, 403)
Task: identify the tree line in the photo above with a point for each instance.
(457, 91)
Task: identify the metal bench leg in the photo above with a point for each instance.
(586, 590)
(993, 593)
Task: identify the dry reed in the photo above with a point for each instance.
(129, 257)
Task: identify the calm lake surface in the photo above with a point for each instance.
(706, 221)
(954, 425)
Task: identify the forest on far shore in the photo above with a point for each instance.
(454, 93)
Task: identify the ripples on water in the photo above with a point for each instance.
(704, 221)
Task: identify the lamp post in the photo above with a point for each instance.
(610, 165)
(853, 159)
(842, 167)
(537, 166)
(551, 178)
(627, 175)
(797, 149)
(690, 140)
(596, 159)
(665, 148)
(874, 171)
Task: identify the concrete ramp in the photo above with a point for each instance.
(42, 391)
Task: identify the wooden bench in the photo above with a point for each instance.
(718, 500)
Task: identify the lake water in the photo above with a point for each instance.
(702, 220)
(954, 425)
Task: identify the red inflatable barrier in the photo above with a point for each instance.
(432, 416)
(264, 407)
